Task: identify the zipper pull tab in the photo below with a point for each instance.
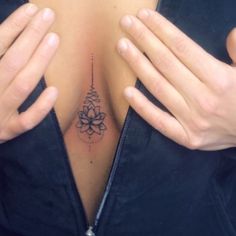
(90, 232)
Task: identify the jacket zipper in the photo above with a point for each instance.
(90, 232)
(92, 229)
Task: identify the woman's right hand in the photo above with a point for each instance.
(26, 49)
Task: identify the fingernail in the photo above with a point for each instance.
(31, 9)
(123, 46)
(52, 39)
(126, 21)
(128, 93)
(144, 13)
(47, 14)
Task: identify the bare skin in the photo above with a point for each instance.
(26, 49)
(70, 73)
(84, 30)
(198, 89)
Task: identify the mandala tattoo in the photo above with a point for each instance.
(91, 120)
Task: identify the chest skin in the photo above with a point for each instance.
(87, 58)
(156, 187)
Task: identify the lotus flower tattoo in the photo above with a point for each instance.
(91, 118)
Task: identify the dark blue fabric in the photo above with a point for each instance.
(159, 188)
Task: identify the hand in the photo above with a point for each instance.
(198, 90)
(25, 52)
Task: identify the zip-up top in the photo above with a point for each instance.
(155, 187)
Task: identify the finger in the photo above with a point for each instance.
(32, 116)
(231, 45)
(160, 120)
(152, 79)
(15, 24)
(26, 81)
(190, 53)
(163, 59)
(23, 48)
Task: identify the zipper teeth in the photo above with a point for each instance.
(113, 170)
(112, 174)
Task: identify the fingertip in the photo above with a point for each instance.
(144, 13)
(53, 39)
(129, 92)
(122, 45)
(126, 21)
(31, 9)
(52, 93)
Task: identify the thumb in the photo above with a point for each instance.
(231, 45)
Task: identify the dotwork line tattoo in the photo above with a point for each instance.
(91, 120)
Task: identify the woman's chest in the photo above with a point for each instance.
(90, 77)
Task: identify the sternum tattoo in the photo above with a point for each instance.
(91, 120)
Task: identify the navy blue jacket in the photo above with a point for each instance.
(155, 188)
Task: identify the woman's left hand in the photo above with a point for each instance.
(198, 90)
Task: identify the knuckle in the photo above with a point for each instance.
(43, 109)
(208, 105)
(157, 87)
(200, 126)
(180, 44)
(157, 60)
(160, 125)
(156, 22)
(194, 142)
(35, 29)
(26, 124)
(21, 89)
(162, 61)
(203, 126)
(16, 24)
(223, 84)
(197, 130)
(140, 33)
(140, 106)
(136, 58)
(12, 64)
